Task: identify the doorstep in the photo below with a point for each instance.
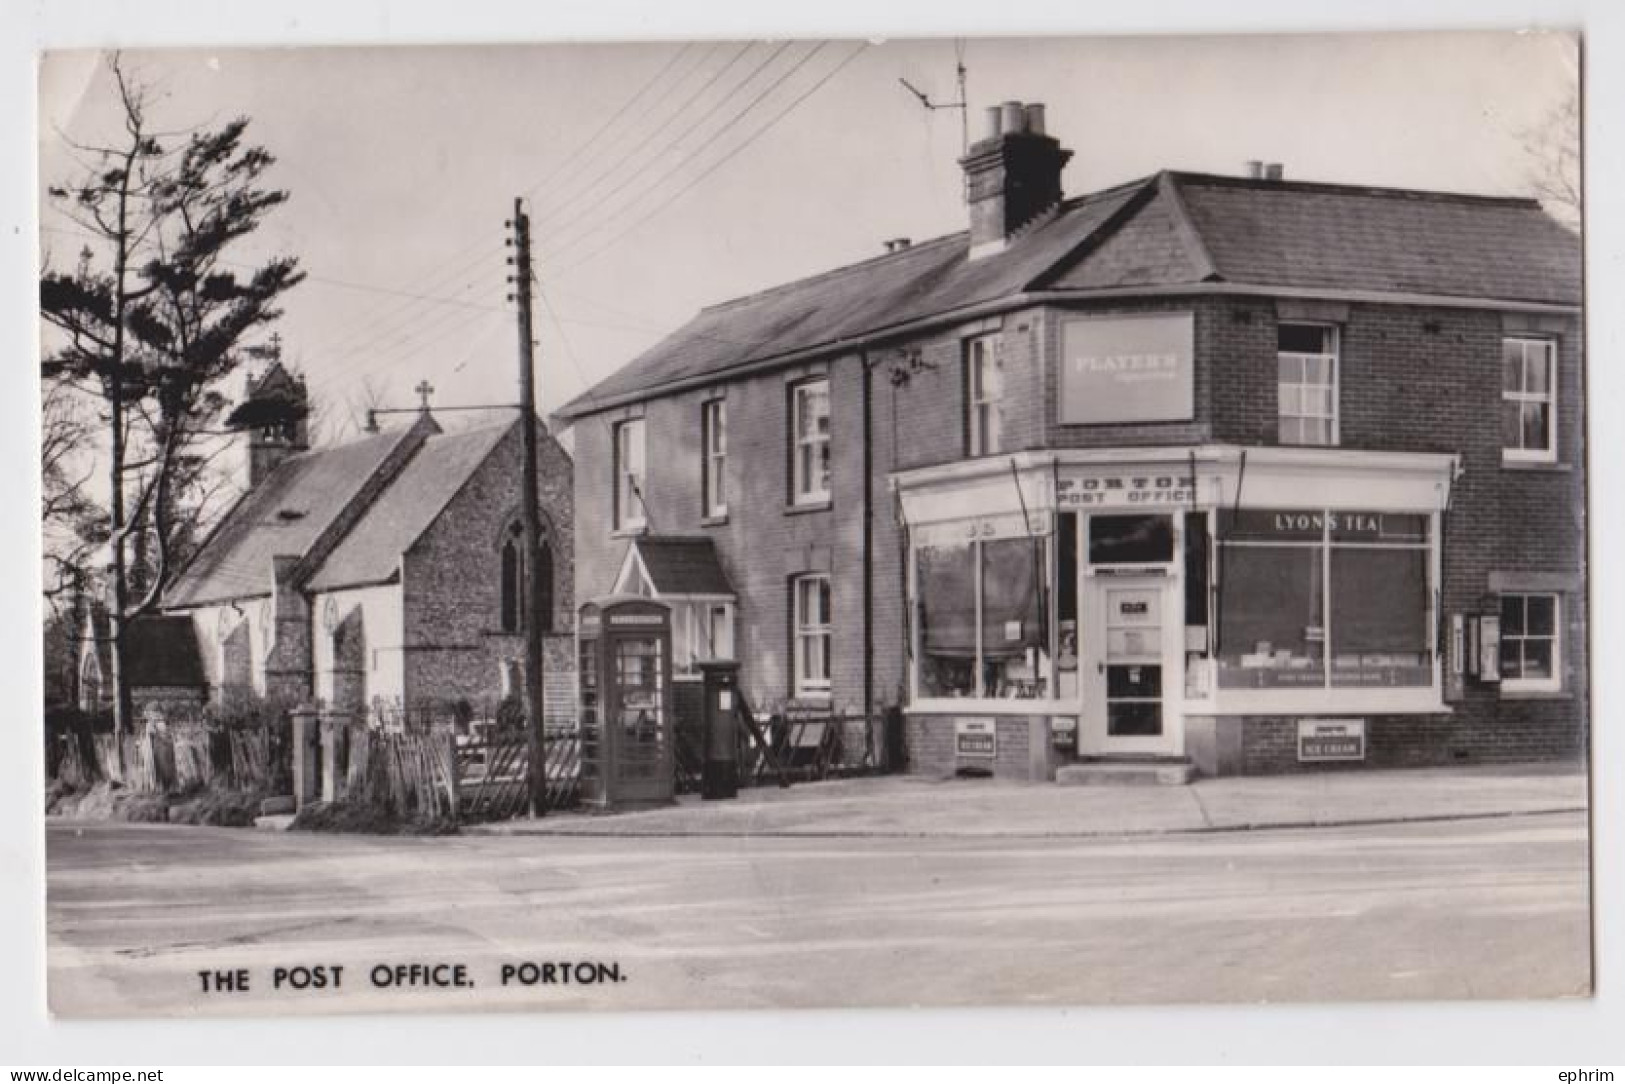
(1127, 772)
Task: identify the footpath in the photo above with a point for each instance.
(914, 806)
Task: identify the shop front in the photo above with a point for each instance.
(1143, 603)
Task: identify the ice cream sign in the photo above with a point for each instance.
(1117, 369)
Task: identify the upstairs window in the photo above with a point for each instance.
(714, 458)
(629, 475)
(1306, 357)
(984, 398)
(810, 455)
(1529, 400)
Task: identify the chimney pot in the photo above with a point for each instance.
(1255, 168)
(993, 127)
(1035, 118)
(1014, 118)
(1273, 171)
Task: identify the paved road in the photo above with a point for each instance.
(1470, 909)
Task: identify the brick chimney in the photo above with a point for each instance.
(1012, 175)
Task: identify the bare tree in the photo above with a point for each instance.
(149, 321)
(1554, 152)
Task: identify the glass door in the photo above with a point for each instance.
(641, 761)
(1126, 667)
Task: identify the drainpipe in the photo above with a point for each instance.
(868, 545)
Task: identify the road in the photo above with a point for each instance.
(1445, 910)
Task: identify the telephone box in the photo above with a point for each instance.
(626, 702)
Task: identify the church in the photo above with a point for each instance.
(375, 577)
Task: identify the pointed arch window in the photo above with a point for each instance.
(515, 582)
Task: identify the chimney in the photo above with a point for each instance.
(1273, 171)
(1012, 175)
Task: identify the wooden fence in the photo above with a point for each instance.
(807, 748)
(493, 774)
(178, 759)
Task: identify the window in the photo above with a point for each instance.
(714, 458)
(984, 387)
(629, 475)
(1529, 643)
(515, 582)
(981, 610)
(1529, 400)
(1318, 599)
(702, 630)
(812, 610)
(1306, 360)
(810, 431)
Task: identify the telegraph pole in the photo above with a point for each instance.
(531, 598)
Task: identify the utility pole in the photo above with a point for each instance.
(530, 596)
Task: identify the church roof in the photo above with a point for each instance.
(283, 516)
(1165, 232)
(371, 551)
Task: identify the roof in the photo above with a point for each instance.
(682, 565)
(371, 551)
(1168, 230)
(282, 516)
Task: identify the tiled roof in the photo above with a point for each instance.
(159, 649)
(371, 551)
(1169, 230)
(679, 565)
(282, 516)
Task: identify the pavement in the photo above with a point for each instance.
(922, 807)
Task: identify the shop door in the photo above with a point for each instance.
(1126, 667)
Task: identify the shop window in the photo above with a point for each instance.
(630, 465)
(981, 608)
(984, 399)
(1529, 400)
(714, 458)
(1306, 359)
(1324, 599)
(813, 633)
(1530, 659)
(810, 433)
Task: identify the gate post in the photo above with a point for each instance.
(720, 718)
(306, 783)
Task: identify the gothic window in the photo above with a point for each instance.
(515, 581)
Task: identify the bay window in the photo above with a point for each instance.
(1319, 599)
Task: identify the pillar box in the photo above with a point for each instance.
(720, 777)
(306, 754)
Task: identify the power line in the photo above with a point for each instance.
(679, 193)
(591, 190)
(564, 246)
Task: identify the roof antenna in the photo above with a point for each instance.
(964, 113)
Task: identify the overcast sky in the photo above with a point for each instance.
(666, 177)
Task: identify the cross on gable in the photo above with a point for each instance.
(424, 390)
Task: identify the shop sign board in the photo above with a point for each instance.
(976, 738)
(1331, 739)
(1134, 488)
(1121, 369)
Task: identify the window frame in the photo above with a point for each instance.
(982, 351)
(714, 458)
(625, 494)
(1554, 683)
(803, 630)
(801, 497)
(1334, 357)
(1521, 454)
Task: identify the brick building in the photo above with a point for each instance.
(382, 573)
(1244, 472)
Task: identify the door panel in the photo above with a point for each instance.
(1126, 666)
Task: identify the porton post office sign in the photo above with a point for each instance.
(1127, 369)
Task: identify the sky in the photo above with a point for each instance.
(664, 177)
